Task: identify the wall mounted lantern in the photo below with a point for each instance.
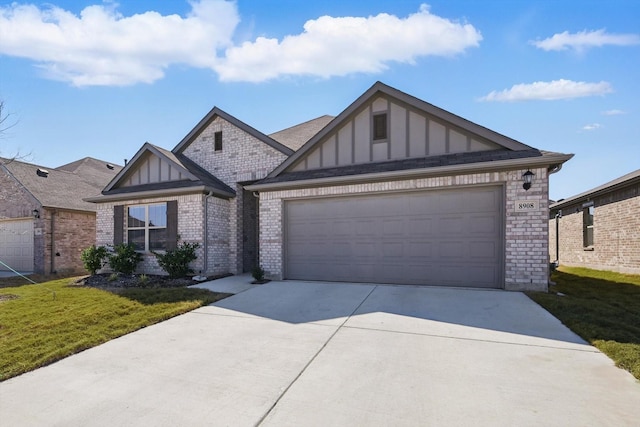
(36, 213)
(527, 177)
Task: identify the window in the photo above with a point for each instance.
(587, 226)
(147, 227)
(379, 126)
(217, 141)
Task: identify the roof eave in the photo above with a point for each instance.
(159, 193)
(490, 166)
(588, 195)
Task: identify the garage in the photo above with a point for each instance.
(450, 237)
(16, 245)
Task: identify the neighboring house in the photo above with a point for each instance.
(599, 228)
(44, 221)
(392, 190)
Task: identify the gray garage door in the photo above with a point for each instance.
(449, 237)
(16, 245)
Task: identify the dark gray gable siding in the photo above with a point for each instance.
(403, 98)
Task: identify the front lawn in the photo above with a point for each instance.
(602, 307)
(42, 323)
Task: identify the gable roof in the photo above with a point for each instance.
(216, 112)
(92, 170)
(64, 187)
(381, 88)
(198, 179)
(294, 137)
(625, 180)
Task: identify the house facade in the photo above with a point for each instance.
(44, 221)
(392, 190)
(599, 228)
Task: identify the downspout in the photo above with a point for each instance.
(52, 266)
(206, 232)
(558, 216)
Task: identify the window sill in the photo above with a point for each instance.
(588, 248)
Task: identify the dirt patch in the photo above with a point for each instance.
(7, 297)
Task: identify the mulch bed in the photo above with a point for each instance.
(123, 281)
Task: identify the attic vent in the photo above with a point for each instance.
(42, 172)
(109, 166)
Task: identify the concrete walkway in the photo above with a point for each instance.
(228, 285)
(319, 354)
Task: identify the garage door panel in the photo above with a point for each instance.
(393, 227)
(16, 244)
(484, 250)
(439, 237)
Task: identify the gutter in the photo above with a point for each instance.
(157, 193)
(546, 160)
(588, 195)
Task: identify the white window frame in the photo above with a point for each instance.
(146, 226)
(588, 210)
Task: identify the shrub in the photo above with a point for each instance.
(258, 274)
(124, 259)
(113, 277)
(143, 280)
(93, 258)
(176, 262)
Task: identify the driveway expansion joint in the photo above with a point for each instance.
(302, 371)
(588, 348)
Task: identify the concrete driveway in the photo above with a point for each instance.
(319, 354)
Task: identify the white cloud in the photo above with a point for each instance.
(585, 39)
(332, 46)
(548, 91)
(613, 112)
(102, 47)
(592, 126)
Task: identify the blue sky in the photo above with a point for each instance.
(91, 78)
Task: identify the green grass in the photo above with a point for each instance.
(602, 307)
(42, 323)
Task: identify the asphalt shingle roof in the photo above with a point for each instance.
(66, 186)
(405, 164)
(295, 136)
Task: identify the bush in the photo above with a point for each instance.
(176, 262)
(124, 259)
(258, 274)
(93, 258)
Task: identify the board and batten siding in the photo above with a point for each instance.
(410, 133)
(153, 170)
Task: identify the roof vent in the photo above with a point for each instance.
(42, 172)
(109, 166)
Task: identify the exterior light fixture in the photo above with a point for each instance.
(36, 213)
(527, 177)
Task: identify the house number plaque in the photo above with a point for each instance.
(526, 205)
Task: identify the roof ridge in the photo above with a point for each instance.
(302, 123)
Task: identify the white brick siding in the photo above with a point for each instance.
(243, 158)
(190, 227)
(526, 233)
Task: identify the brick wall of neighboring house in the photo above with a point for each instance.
(243, 158)
(616, 233)
(65, 234)
(526, 233)
(190, 229)
(15, 202)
